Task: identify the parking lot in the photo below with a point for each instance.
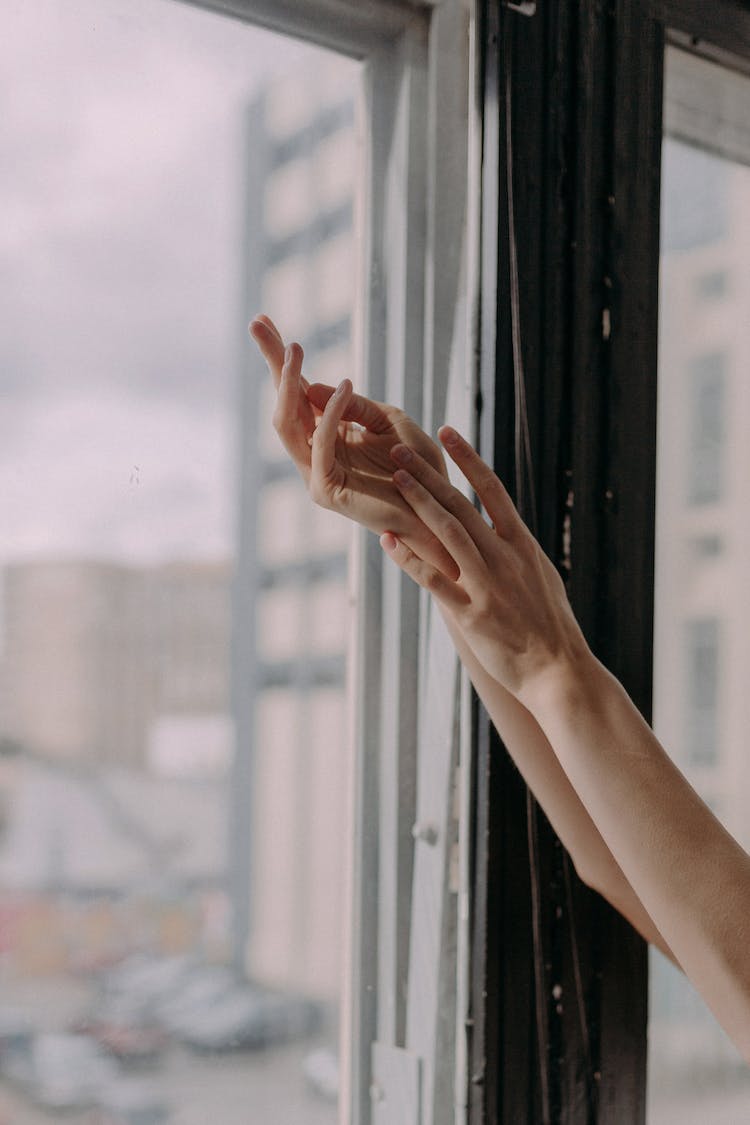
(266, 1087)
(243, 1089)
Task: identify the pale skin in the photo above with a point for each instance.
(635, 829)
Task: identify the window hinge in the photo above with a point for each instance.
(396, 1090)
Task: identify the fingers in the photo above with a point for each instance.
(362, 410)
(266, 336)
(448, 497)
(327, 475)
(497, 503)
(293, 426)
(266, 322)
(269, 340)
(447, 528)
(426, 576)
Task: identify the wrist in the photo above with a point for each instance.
(571, 682)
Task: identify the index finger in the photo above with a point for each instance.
(271, 344)
(488, 487)
(446, 494)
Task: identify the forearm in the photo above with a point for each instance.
(690, 874)
(542, 772)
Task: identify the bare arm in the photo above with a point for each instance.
(691, 875)
(349, 469)
(692, 878)
(536, 761)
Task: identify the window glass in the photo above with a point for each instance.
(173, 629)
(702, 622)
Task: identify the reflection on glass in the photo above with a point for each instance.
(171, 785)
(702, 625)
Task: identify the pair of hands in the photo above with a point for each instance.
(371, 462)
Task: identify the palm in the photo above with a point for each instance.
(360, 482)
(362, 452)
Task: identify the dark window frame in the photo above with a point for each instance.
(587, 132)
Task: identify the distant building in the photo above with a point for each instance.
(702, 618)
(291, 718)
(95, 654)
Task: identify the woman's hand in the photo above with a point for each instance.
(341, 444)
(508, 600)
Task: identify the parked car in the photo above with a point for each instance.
(248, 1018)
(61, 1071)
(144, 981)
(321, 1070)
(202, 988)
(124, 1017)
(16, 1032)
(126, 1036)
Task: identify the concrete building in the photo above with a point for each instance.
(96, 654)
(702, 620)
(290, 713)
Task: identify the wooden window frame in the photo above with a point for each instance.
(586, 133)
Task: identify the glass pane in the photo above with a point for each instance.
(173, 622)
(702, 626)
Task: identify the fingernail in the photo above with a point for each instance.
(402, 454)
(449, 436)
(341, 388)
(288, 354)
(388, 541)
(402, 479)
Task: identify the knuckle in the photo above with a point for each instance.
(526, 546)
(432, 580)
(480, 609)
(318, 492)
(451, 533)
(487, 482)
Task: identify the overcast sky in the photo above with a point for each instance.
(121, 181)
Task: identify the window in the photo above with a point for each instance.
(158, 629)
(712, 286)
(707, 392)
(164, 907)
(702, 691)
(482, 982)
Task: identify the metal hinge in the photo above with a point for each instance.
(396, 1090)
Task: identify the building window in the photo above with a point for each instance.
(702, 691)
(707, 391)
(712, 286)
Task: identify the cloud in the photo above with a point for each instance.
(113, 477)
(122, 159)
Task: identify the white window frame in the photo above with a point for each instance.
(406, 981)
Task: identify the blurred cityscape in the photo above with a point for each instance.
(174, 765)
(702, 616)
(173, 755)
